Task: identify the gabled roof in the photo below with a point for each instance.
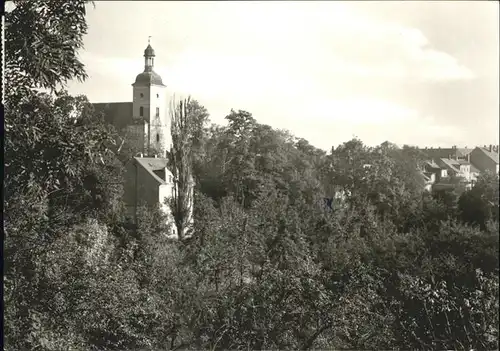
(491, 154)
(432, 164)
(154, 166)
(119, 114)
(450, 163)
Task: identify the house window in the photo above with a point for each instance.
(141, 111)
(157, 138)
(157, 112)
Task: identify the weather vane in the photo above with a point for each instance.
(149, 39)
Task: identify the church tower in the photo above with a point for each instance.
(150, 109)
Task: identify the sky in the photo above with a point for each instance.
(422, 73)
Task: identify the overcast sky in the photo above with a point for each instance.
(421, 73)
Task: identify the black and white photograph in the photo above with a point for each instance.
(250, 175)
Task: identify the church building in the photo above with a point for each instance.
(144, 124)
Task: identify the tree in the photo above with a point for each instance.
(481, 204)
(59, 174)
(43, 54)
(180, 164)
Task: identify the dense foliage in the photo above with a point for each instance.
(293, 247)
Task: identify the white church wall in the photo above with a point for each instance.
(159, 117)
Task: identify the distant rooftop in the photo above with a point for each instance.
(446, 152)
(451, 164)
(491, 154)
(432, 164)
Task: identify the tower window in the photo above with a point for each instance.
(158, 96)
(157, 138)
(157, 112)
(142, 95)
(141, 111)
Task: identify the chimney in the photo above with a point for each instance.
(490, 148)
(140, 154)
(156, 156)
(468, 157)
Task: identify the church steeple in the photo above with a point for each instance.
(149, 55)
(150, 107)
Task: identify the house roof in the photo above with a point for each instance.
(450, 163)
(154, 166)
(118, 114)
(462, 152)
(463, 162)
(447, 152)
(432, 164)
(491, 154)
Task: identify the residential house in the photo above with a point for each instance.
(450, 153)
(458, 170)
(485, 158)
(474, 174)
(148, 182)
(431, 167)
(429, 173)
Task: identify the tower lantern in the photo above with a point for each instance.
(149, 55)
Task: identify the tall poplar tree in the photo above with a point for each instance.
(180, 164)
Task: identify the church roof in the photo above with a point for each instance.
(148, 78)
(119, 114)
